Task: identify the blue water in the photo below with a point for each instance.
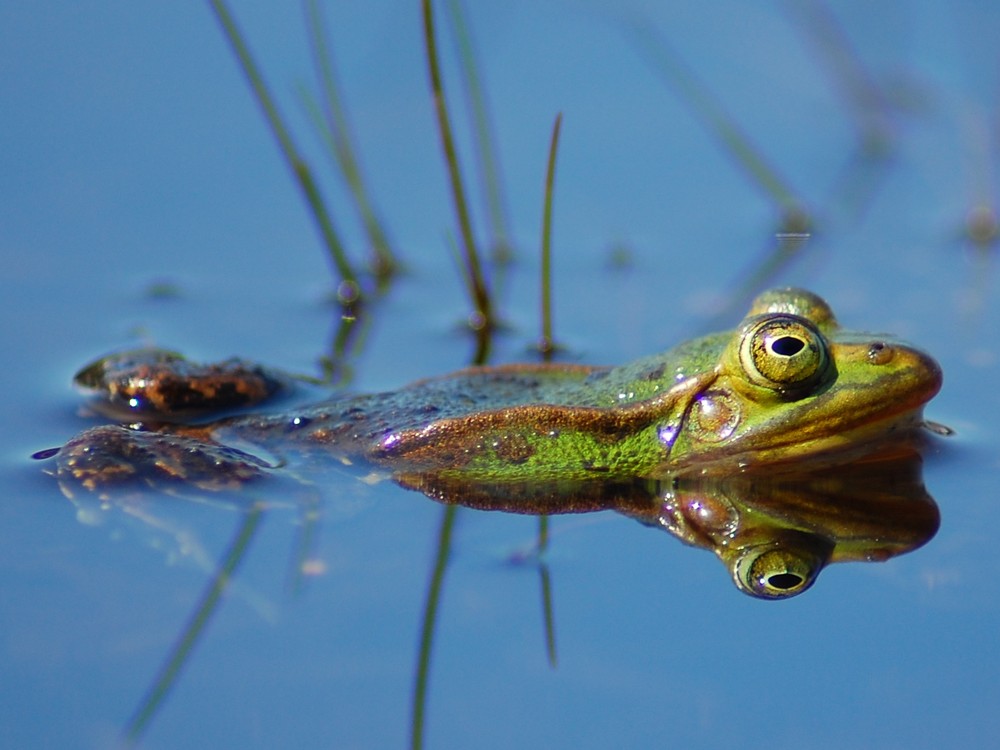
(133, 154)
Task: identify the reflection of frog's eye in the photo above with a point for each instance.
(783, 352)
(775, 573)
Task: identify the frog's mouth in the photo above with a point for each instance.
(878, 400)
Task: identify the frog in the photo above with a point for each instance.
(788, 385)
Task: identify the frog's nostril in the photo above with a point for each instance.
(880, 353)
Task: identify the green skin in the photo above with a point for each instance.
(788, 385)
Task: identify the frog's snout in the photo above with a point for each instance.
(918, 372)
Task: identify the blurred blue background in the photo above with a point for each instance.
(133, 155)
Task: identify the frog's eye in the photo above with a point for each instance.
(783, 352)
(775, 573)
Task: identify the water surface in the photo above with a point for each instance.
(136, 155)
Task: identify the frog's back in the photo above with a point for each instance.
(354, 425)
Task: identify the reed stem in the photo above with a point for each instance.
(479, 293)
(335, 126)
(483, 135)
(547, 344)
(202, 614)
(348, 290)
(427, 628)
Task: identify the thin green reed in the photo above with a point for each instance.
(333, 124)
(348, 291)
(428, 624)
(546, 343)
(202, 614)
(483, 312)
(348, 340)
(547, 346)
(483, 135)
(484, 324)
(435, 587)
(548, 616)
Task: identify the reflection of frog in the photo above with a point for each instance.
(786, 386)
(774, 533)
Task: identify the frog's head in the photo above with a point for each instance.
(791, 384)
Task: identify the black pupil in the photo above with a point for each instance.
(787, 346)
(784, 581)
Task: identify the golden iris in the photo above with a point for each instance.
(775, 573)
(783, 352)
